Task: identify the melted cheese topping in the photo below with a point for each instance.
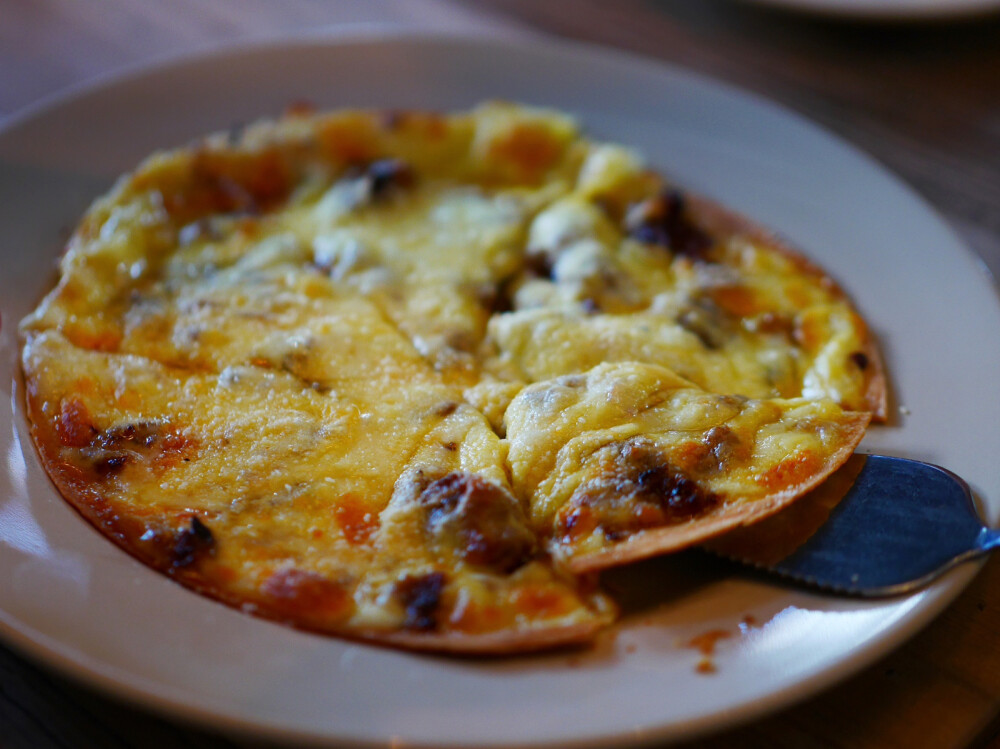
(395, 375)
(604, 456)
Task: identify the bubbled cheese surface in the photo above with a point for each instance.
(393, 375)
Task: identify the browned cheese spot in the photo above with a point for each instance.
(73, 425)
(108, 452)
(387, 175)
(723, 447)
(226, 183)
(304, 594)
(447, 408)
(480, 520)
(771, 323)
(538, 265)
(107, 463)
(137, 434)
(420, 596)
(663, 221)
(530, 148)
(638, 490)
(355, 519)
(192, 543)
(707, 322)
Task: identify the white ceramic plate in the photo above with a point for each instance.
(72, 599)
(900, 10)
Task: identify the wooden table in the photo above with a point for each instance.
(924, 99)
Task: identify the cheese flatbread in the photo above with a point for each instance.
(408, 377)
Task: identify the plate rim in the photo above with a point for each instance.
(132, 689)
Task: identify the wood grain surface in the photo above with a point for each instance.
(922, 98)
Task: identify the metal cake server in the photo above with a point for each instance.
(901, 524)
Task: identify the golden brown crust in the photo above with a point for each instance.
(495, 643)
(774, 538)
(877, 390)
